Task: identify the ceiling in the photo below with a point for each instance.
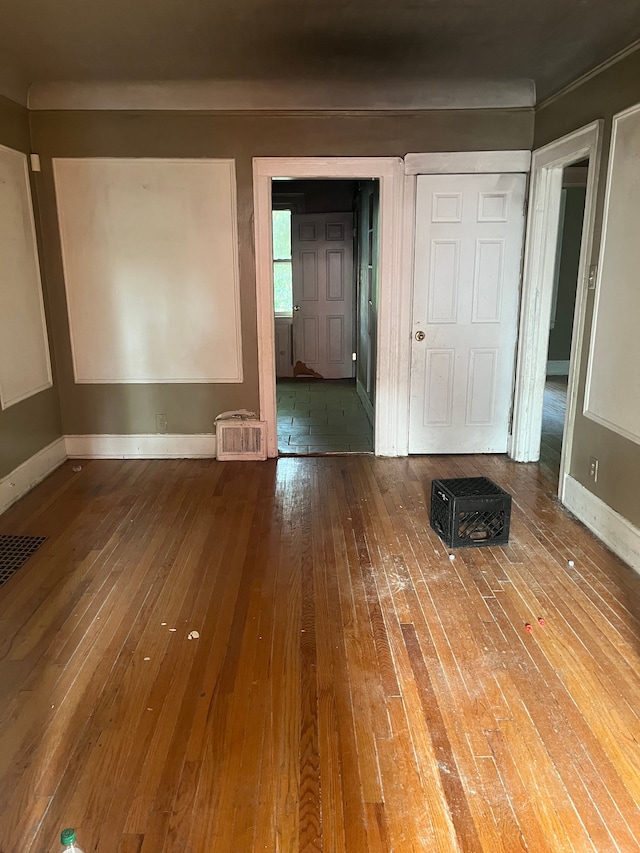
(551, 42)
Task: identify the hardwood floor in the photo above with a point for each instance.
(351, 688)
(553, 413)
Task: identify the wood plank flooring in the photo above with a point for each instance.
(553, 414)
(352, 688)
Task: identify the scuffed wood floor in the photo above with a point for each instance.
(352, 688)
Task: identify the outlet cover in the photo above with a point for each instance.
(161, 423)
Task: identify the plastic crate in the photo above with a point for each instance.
(470, 512)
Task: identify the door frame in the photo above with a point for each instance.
(541, 242)
(390, 414)
(442, 163)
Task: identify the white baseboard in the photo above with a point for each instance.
(617, 532)
(366, 402)
(23, 478)
(152, 446)
(558, 368)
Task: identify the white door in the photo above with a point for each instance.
(322, 270)
(468, 247)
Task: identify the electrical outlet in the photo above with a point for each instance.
(593, 468)
(161, 423)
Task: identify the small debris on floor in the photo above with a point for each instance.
(528, 627)
(541, 621)
(571, 563)
(452, 556)
(147, 658)
(173, 629)
(76, 468)
(193, 635)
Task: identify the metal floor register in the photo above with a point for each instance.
(14, 553)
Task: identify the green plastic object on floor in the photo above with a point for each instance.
(68, 841)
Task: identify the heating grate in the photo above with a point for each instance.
(14, 553)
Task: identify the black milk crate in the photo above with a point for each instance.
(470, 511)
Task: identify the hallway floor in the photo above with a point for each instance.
(553, 412)
(321, 416)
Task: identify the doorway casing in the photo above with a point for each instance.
(397, 223)
(541, 243)
(392, 372)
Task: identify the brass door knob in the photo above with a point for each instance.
(420, 336)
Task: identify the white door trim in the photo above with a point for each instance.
(467, 162)
(394, 291)
(435, 163)
(541, 240)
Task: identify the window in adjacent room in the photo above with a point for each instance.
(282, 280)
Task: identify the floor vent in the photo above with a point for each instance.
(14, 553)
(236, 439)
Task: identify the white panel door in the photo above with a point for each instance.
(468, 246)
(322, 269)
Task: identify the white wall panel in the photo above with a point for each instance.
(25, 368)
(151, 269)
(613, 379)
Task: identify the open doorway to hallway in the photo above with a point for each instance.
(325, 274)
(561, 326)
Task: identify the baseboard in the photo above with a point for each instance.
(23, 478)
(617, 532)
(152, 446)
(366, 402)
(558, 368)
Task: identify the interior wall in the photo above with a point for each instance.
(317, 196)
(560, 334)
(601, 96)
(30, 425)
(122, 409)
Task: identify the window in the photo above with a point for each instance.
(282, 278)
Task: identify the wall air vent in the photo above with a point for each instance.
(241, 439)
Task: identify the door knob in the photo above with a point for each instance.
(296, 307)
(420, 336)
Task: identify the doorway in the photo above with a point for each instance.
(542, 241)
(570, 229)
(325, 293)
(389, 435)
